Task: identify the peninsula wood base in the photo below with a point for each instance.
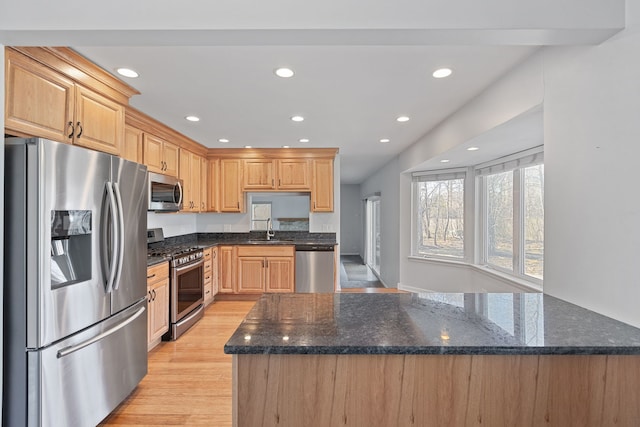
(435, 390)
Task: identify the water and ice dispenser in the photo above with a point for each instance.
(70, 247)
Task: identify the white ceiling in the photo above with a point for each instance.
(350, 96)
(359, 64)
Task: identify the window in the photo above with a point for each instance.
(512, 209)
(438, 214)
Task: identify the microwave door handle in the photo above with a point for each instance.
(179, 188)
(116, 238)
(120, 216)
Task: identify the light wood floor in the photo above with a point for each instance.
(189, 380)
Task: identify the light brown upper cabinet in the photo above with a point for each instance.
(190, 173)
(160, 156)
(42, 102)
(132, 147)
(322, 186)
(213, 186)
(231, 196)
(294, 174)
(285, 174)
(204, 184)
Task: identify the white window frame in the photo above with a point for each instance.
(438, 175)
(515, 163)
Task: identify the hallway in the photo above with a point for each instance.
(355, 274)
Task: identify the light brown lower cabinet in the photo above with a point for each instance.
(158, 303)
(265, 269)
(208, 276)
(226, 269)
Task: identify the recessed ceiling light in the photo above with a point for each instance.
(472, 148)
(284, 72)
(127, 72)
(297, 118)
(403, 119)
(385, 140)
(285, 146)
(223, 140)
(442, 72)
(304, 140)
(193, 118)
(247, 146)
(444, 161)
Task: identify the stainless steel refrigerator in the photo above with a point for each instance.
(75, 321)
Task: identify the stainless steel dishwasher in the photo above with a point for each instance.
(315, 268)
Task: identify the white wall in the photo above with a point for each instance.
(592, 213)
(172, 224)
(351, 219)
(385, 181)
(592, 154)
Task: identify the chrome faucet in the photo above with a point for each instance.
(270, 232)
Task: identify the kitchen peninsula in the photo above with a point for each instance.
(432, 360)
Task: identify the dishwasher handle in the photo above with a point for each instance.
(315, 248)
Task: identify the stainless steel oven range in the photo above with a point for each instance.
(186, 286)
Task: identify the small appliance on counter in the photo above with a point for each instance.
(186, 283)
(75, 303)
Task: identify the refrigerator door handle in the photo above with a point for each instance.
(120, 216)
(115, 247)
(72, 349)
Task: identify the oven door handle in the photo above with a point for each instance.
(189, 266)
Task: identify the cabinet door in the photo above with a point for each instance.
(231, 197)
(204, 185)
(258, 175)
(196, 172)
(293, 174)
(170, 156)
(152, 154)
(226, 269)
(280, 274)
(251, 273)
(39, 102)
(322, 186)
(99, 122)
(160, 318)
(214, 186)
(132, 149)
(185, 176)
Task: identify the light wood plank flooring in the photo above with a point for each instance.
(189, 380)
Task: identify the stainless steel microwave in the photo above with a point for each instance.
(165, 193)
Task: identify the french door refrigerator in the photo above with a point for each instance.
(75, 322)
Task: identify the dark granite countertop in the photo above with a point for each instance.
(207, 240)
(429, 323)
(153, 260)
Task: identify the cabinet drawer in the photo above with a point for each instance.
(207, 265)
(157, 272)
(208, 292)
(266, 251)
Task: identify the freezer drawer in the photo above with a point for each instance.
(81, 387)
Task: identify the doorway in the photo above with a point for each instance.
(372, 235)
